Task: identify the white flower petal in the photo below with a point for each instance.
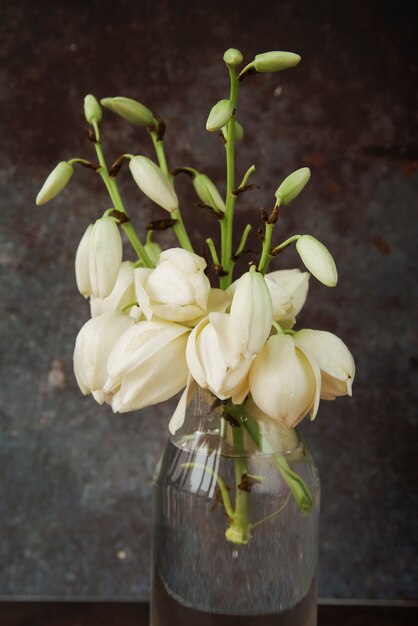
(179, 414)
(334, 359)
(251, 313)
(82, 273)
(94, 343)
(105, 256)
(282, 382)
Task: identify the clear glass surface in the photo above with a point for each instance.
(200, 578)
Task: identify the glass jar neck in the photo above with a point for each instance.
(214, 425)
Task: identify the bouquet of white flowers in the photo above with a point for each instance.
(158, 326)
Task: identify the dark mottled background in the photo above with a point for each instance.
(75, 479)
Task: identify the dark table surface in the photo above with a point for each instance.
(137, 614)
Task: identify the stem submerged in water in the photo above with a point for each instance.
(239, 530)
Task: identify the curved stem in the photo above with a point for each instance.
(279, 510)
(114, 194)
(246, 176)
(178, 228)
(296, 484)
(221, 484)
(285, 244)
(212, 250)
(243, 241)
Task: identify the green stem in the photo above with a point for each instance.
(296, 484)
(212, 250)
(265, 255)
(286, 243)
(279, 510)
(239, 530)
(221, 484)
(246, 176)
(228, 221)
(114, 194)
(178, 228)
(243, 241)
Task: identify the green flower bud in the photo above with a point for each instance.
(293, 185)
(154, 183)
(233, 56)
(275, 61)
(92, 109)
(132, 111)
(208, 193)
(317, 259)
(107, 104)
(220, 115)
(272, 62)
(56, 181)
(239, 132)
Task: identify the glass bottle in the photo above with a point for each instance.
(235, 522)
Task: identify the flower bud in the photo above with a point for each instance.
(82, 274)
(132, 111)
(56, 181)
(92, 109)
(292, 185)
(239, 132)
(233, 56)
(208, 193)
(334, 359)
(251, 314)
(275, 61)
(107, 104)
(220, 115)
(317, 259)
(154, 183)
(105, 256)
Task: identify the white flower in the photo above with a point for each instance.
(284, 382)
(154, 183)
(317, 259)
(334, 359)
(122, 294)
(105, 256)
(93, 345)
(208, 349)
(288, 290)
(147, 365)
(251, 314)
(176, 290)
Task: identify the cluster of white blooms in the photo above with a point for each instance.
(154, 332)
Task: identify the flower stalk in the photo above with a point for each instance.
(228, 221)
(178, 228)
(113, 190)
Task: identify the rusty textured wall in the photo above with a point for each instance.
(75, 479)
